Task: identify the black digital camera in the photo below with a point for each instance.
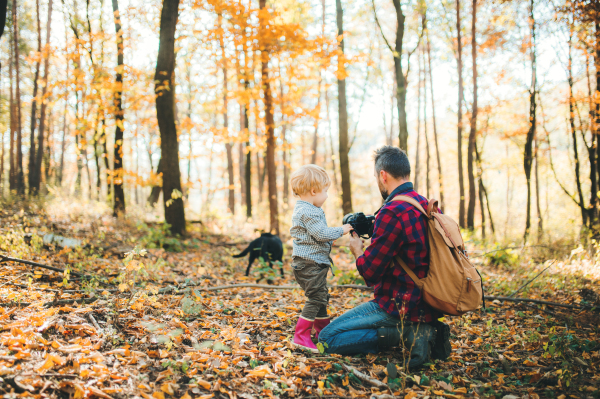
(361, 223)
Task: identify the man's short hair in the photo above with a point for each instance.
(309, 177)
(393, 160)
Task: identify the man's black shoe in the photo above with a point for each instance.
(441, 347)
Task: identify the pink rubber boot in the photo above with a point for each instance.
(320, 324)
(302, 336)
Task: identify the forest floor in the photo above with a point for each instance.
(143, 326)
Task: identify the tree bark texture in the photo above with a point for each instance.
(118, 172)
(18, 168)
(400, 80)
(228, 144)
(270, 130)
(528, 155)
(343, 118)
(165, 64)
(315, 143)
(435, 133)
(593, 212)
(13, 121)
(417, 168)
(33, 179)
(574, 133)
(461, 182)
(44, 105)
(473, 132)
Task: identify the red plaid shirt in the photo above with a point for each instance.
(400, 229)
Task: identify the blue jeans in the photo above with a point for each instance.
(356, 332)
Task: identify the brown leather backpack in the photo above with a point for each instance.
(453, 285)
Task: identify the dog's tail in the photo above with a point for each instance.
(244, 253)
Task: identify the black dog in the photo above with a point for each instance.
(268, 246)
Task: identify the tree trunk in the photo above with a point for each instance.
(343, 116)
(574, 133)
(418, 150)
(97, 154)
(427, 149)
(165, 64)
(400, 80)
(540, 224)
(248, 167)
(315, 143)
(482, 189)
(473, 132)
(270, 131)
(286, 168)
(118, 173)
(63, 142)
(260, 177)
(461, 183)
(229, 144)
(19, 176)
(528, 158)
(331, 146)
(44, 106)
(47, 159)
(270, 166)
(593, 211)
(33, 177)
(248, 163)
(13, 122)
(241, 173)
(481, 208)
(435, 133)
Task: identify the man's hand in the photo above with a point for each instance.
(347, 228)
(356, 245)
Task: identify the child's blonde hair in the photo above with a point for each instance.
(309, 177)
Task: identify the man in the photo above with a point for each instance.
(398, 313)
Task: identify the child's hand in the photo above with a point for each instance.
(347, 228)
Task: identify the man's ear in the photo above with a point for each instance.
(383, 175)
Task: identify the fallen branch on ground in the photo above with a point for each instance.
(363, 377)
(563, 305)
(167, 290)
(41, 265)
(527, 283)
(354, 286)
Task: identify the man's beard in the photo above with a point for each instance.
(383, 190)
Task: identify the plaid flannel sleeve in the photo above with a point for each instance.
(316, 225)
(385, 243)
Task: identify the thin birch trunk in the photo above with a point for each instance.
(473, 132)
(33, 179)
(528, 156)
(19, 175)
(461, 183)
(418, 150)
(435, 132)
(343, 116)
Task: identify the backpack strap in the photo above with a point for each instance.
(416, 204)
(412, 201)
(408, 271)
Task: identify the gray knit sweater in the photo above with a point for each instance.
(312, 237)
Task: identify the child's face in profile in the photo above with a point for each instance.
(317, 198)
(320, 197)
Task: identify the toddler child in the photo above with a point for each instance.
(312, 245)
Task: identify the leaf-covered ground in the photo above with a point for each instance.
(143, 327)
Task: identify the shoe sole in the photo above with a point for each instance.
(305, 348)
